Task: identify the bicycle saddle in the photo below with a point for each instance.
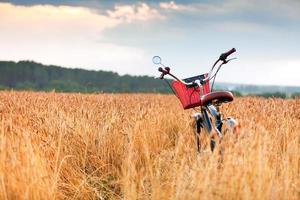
(218, 97)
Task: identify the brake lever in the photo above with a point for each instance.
(227, 61)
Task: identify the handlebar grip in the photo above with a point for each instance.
(167, 69)
(163, 71)
(224, 56)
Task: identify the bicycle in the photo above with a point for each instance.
(196, 92)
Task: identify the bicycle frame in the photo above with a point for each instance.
(203, 120)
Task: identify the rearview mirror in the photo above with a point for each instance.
(156, 60)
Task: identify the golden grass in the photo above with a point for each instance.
(119, 146)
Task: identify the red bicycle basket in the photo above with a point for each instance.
(190, 97)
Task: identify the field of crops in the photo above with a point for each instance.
(119, 146)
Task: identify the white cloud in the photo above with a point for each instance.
(172, 6)
(206, 7)
(55, 21)
(138, 12)
(45, 23)
(69, 36)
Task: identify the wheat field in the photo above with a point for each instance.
(141, 146)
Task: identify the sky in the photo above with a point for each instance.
(123, 36)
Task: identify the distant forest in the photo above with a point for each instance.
(28, 75)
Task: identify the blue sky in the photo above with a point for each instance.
(122, 36)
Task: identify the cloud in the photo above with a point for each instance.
(281, 8)
(172, 6)
(137, 12)
(69, 36)
(124, 37)
(211, 7)
(238, 16)
(51, 22)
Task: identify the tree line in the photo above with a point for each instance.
(29, 75)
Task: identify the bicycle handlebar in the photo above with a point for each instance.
(224, 56)
(164, 71)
